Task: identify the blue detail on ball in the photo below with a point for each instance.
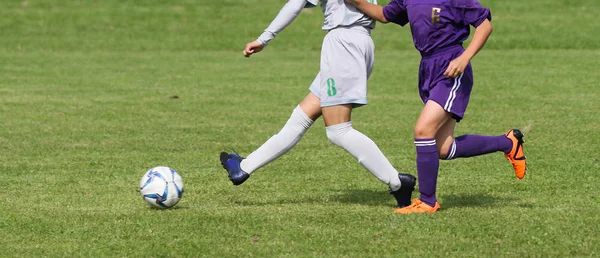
(179, 191)
(147, 182)
(173, 174)
(166, 192)
(161, 204)
(156, 174)
(159, 199)
(151, 176)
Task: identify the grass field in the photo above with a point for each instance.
(86, 108)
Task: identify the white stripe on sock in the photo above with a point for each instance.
(420, 143)
(452, 151)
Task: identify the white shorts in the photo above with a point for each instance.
(347, 58)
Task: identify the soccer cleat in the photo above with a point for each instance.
(231, 163)
(516, 155)
(404, 194)
(418, 206)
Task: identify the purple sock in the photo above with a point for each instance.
(428, 165)
(474, 145)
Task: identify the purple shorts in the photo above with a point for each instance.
(451, 93)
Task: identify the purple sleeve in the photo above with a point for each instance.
(395, 12)
(470, 12)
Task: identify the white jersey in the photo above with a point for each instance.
(337, 13)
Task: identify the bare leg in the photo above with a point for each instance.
(311, 105)
(445, 137)
(433, 118)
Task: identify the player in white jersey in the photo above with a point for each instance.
(347, 58)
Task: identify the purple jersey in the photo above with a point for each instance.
(437, 24)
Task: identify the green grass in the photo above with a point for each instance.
(85, 111)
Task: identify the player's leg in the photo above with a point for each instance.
(444, 138)
(470, 145)
(341, 133)
(433, 117)
(299, 122)
(303, 116)
(445, 101)
(347, 58)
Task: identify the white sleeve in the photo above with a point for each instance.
(286, 15)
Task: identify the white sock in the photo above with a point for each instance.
(280, 143)
(365, 151)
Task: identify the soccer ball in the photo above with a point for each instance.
(161, 187)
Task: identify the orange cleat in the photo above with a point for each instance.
(418, 207)
(516, 155)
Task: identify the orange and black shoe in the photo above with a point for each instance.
(516, 156)
(418, 206)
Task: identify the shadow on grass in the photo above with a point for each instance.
(383, 198)
(176, 207)
(476, 200)
(364, 197)
(352, 196)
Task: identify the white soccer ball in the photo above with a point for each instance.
(161, 187)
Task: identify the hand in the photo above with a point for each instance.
(252, 47)
(456, 67)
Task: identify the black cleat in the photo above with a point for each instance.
(404, 194)
(231, 163)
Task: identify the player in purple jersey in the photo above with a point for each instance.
(439, 28)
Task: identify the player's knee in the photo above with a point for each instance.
(337, 133)
(334, 137)
(330, 134)
(423, 131)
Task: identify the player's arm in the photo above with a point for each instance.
(458, 65)
(286, 15)
(372, 10)
(482, 33)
